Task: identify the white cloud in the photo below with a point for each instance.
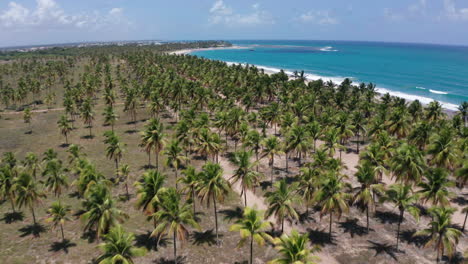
(49, 15)
(418, 7)
(220, 13)
(318, 17)
(389, 14)
(453, 13)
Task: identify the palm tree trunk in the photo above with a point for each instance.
(271, 176)
(256, 157)
(176, 179)
(33, 215)
(126, 190)
(287, 165)
(282, 225)
(90, 134)
(464, 222)
(149, 158)
(216, 219)
(438, 249)
(357, 142)
(193, 199)
(330, 227)
(398, 230)
(367, 216)
(245, 196)
(61, 229)
(66, 138)
(175, 248)
(14, 211)
(251, 249)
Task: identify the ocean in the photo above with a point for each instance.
(412, 71)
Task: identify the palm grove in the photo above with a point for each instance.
(282, 139)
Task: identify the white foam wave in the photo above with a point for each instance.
(437, 92)
(420, 88)
(328, 48)
(338, 80)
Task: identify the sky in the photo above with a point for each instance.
(31, 22)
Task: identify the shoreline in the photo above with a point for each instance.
(449, 108)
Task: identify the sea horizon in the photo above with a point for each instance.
(413, 71)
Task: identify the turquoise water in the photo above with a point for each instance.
(411, 71)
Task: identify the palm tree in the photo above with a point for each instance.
(190, 181)
(271, 148)
(27, 193)
(31, 162)
(281, 202)
(436, 188)
(175, 157)
(463, 109)
(153, 138)
(293, 248)
(27, 117)
(7, 184)
(434, 112)
(297, 140)
(442, 235)
(118, 247)
(308, 180)
(124, 172)
(315, 132)
(58, 215)
(173, 217)
(332, 198)
(87, 114)
(252, 227)
(332, 141)
(213, 187)
(65, 127)
(148, 189)
(114, 149)
(404, 199)
(100, 212)
(57, 179)
(110, 117)
(442, 149)
(465, 211)
(75, 153)
(408, 164)
(365, 195)
(244, 174)
(254, 142)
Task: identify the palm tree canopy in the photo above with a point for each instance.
(252, 224)
(293, 248)
(118, 247)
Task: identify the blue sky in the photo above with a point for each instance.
(24, 22)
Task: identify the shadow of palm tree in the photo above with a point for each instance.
(64, 145)
(232, 214)
(62, 245)
(207, 237)
(387, 217)
(89, 235)
(87, 137)
(265, 185)
(180, 260)
(460, 200)
(34, 229)
(320, 237)
(12, 217)
(456, 259)
(131, 131)
(408, 237)
(306, 217)
(352, 227)
(149, 242)
(381, 248)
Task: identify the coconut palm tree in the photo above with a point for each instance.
(271, 148)
(293, 248)
(124, 173)
(213, 187)
(114, 149)
(436, 187)
(118, 247)
(462, 175)
(27, 117)
(365, 195)
(7, 181)
(244, 174)
(403, 197)
(65, 127)
(408, 164)
(308, 181)
(190, 182)
(434, 112)
(252, 227)
(420, 135)
(148, 189)
(27, 192)
(442, 149)
(56, 177)
(281, 202)
(463, 109)
(31, 163)
(100, 212)
(298, 140)
(58, 215)
(87, 114)
(315, 131)
(332, 197)
(443, 237)
(153, 138)
(332, 141)
(254, 142)
(75, 153)
(110, 117)
(173, 217)
(175, 157)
